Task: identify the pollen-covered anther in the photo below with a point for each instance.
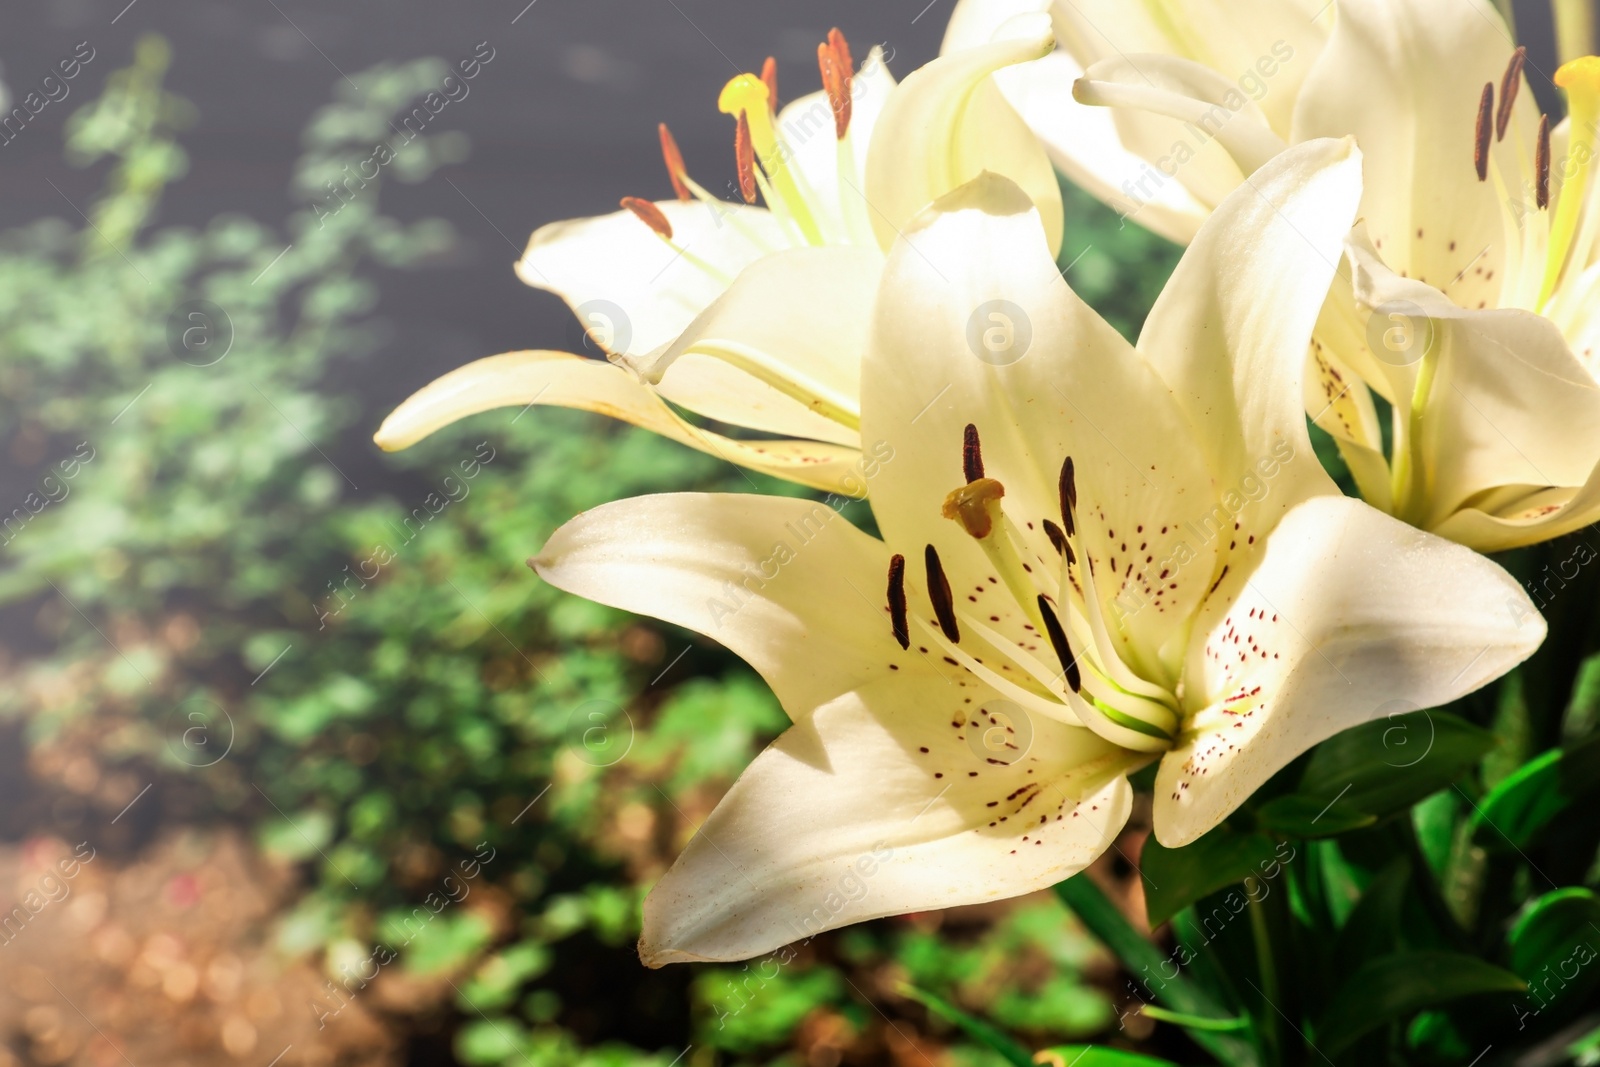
(976, 506)
(1482, 132)
(1059, 541)
(837, 68)
(745, 156)
(1541, 164)
(944, 607)
(971, 454)
(1058, 642)
(1067, 487)
(898, 619)
(673, 158)
(769, 78)
(649, 214)
(1510, 84)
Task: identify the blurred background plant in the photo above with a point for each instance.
(247, 654)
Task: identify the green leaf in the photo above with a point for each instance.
(1194, 1022)
(1518, 810)
(1396, 987)
(973, 1027)
(1140, 956)
(1555, 939)
(1386, 766)
(1176, 878)
(1095, 1056)
(1298, 815)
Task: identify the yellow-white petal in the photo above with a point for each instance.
(1197, 98)
(1405, 80)
(1344, 617)
(560, 379)
(948, 122)
(843, 819)
(975, 272)
(1230, 330)
(781, 350)
(1510, 403)
(636, 290)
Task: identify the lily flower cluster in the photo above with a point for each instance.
(1093, 556)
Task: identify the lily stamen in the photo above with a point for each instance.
(649, 214)
(1480, 141)
(1510, 84)
(972, 455)
(673, 158)
(744, 155)
(944, 608)
(769, 78)
(1541, 165)
(897, 601)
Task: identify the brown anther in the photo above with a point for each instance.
(744, 152)
(1541, 164)
(674, 160)
(944, 607)
(649, 214)
(975, 506)
(1058, 641)
(1480, 142)
(838, 71)
(1068, 490)
(971, 454)
(1509, 86)
(769, 75)
(1058, 539)
(897, 601)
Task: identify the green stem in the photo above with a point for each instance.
(1146, 962)
(1268, 1019)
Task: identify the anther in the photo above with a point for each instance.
(769, 75)
(1058, 641)
(971, 454)
(1480, 143)
(1059, 540)
(674, 160)
(944, 608)
(1068, 489)
(897, 601)
(1509, 86)
(1541, 164)
(837, 68)
(745, 154)
(649, 214)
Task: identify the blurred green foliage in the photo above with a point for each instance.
(239, 598)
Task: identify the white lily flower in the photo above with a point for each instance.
(1094, 557)
(758, 316)
(1471, 299)
(1165, 168)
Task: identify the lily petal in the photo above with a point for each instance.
(1347, 616)
(560, 379)
(618, 274)
(796, 323)
(948, 122)
(1511, 403)
(972, 273)
(843, 820)
(1405, 80)
(1192, 95)
(1243, 300)
(790, 586)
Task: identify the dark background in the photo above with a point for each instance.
(562, 122)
